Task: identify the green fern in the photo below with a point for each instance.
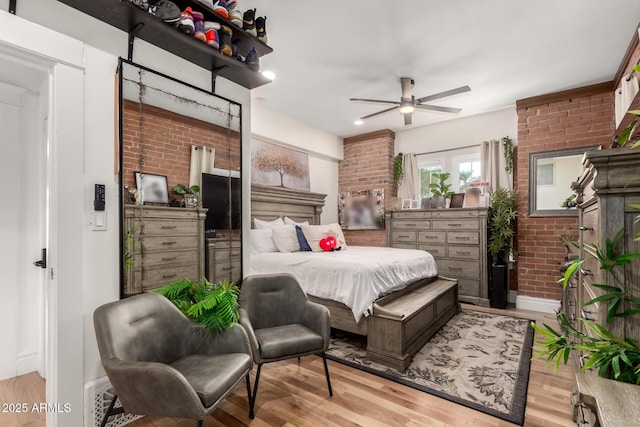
(215, 306)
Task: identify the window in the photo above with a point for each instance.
(463, 164)
(468, 172)
(426, 177)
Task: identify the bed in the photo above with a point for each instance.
(393, 296)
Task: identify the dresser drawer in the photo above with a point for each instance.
(455, 224)
(151, 278)
(166, 243)
(411, 215)
(163, 259)
(153, 227)
(469, 287)
(590, 229)
(403, 236)
(411, 224)
(463, 237)
(222, 255)
(227, 271)
(464, 252)
(457, 268)
(438, 251)
(438, 237)
(403, 245)
(223, 243)
(451, 214)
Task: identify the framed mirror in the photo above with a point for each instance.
(180, 170)
(550, 176)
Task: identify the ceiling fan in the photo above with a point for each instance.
(408, 103)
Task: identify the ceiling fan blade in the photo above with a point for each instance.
(407, 84)
(407, 119)
(378, 113)
(438, 108)
(377, 101)
(444, 94)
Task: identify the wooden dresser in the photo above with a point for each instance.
(168, 245)
(605, 192)
(457, 239)
(223, 259)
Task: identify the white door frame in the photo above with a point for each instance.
(62, 57)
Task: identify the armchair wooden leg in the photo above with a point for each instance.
(199, 423)
(326, 372)
(255, 390)
(251, 415)
(110, 412)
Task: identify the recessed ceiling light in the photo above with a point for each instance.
(358, 122)
(269, 74)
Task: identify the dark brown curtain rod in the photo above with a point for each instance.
(451, 149)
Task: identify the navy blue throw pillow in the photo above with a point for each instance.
(304, 245)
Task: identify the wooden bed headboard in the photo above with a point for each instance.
(269, 203)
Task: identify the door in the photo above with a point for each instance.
(22, 220)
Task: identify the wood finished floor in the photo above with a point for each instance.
(295, 394)
(25, 389)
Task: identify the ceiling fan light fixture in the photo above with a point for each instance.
(407, 108)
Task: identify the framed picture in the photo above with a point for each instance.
(426, 203)
(457, 199)
(152, 188)
(406, 203)
(415, 204)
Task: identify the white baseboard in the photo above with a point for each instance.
(537, 304)
(27, 362)
(96, 402)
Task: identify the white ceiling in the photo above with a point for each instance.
(326, 52)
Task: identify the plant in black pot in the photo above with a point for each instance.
(501, 220)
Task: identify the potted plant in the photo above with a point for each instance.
(440, 189)
(215, 306)
(501, 221)
(398, 173)
(189, 194)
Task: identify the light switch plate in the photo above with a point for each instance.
(99, 222)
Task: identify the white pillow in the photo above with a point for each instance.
(285, 238)
(259, 223)
(289, 221)
(315, 233)
(262, 241)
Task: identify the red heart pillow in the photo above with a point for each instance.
(328, 243)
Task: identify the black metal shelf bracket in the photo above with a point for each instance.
(214, 74)
(12, 6)
(133, 32)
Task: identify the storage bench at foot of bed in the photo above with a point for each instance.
(403, 322)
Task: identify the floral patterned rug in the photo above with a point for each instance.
(479, 360)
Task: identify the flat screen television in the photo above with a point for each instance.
(219, 191)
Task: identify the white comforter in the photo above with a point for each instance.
(355, 277)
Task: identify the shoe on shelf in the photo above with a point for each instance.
(198, 21)
(220, 9)
(225, 40)
(142, 4)
(231, 5)
(249, 23)
(186, 21)
(166, 10)
(261, 29)
(206, 3)
(213, 39)
(253, 60)
(235, 17)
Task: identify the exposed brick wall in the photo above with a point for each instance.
(567, 123)
(368, 164)
(165, 146)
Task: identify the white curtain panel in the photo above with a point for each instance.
(202, 160)
(493, 163)
(410, 181)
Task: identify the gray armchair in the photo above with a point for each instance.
(161, 363)
(281, 322)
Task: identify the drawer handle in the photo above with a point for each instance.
(171, 258)
(584, 314)
(409, 224)
(455, 268)
(586, 272)
(235, 254)
(463, 252)
(169, 227)
(169, 243)
(581, 228)
(226, 268)
(403, 236)
(463, 238)
(430, 237)
(169, 276)
(456, 224)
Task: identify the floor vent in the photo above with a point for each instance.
(98, 397)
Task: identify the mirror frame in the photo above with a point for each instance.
(533, 178)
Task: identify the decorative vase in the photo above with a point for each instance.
(191, 200)
(396, 203)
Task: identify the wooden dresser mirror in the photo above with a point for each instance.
(172, 133)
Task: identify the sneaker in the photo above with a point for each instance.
(248, 22)
(261, 29)
(231, 5)
(225, 40)
(186, 22)
(253, 60)
(213, 39)
(220, 8)
(166, 10)
(235, 17)
(142, 4)
(198, 21)
(206, 3)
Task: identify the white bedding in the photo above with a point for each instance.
(355, 277)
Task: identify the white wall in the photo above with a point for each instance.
(324, 149)
(471, 130)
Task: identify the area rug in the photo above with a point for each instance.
(478, 360)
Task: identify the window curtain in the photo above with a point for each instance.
(409, 184)
(202, 160)
(493, 164)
